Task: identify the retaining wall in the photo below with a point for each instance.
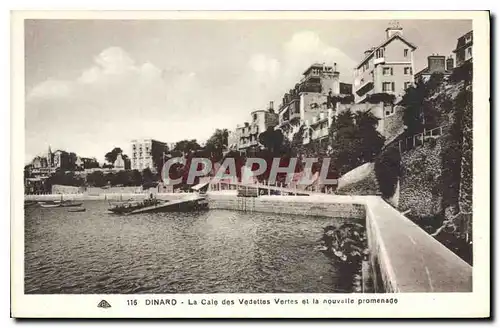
(297, 205)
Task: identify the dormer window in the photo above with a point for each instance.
(379, 53)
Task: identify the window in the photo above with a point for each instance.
(469, 52)
(405, 52)
(407, 85)
(379, 53)
(388, 86)
(387, 71)
(389, 111)
(407, 70)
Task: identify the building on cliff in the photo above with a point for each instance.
(386, 68)
(435, 64)
(309, 97)
(247, 135)
(463, 50)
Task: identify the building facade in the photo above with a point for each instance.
(387, 68)
(309, 97)
(146, 153)
(435, 64)
(463, 51)
(247, 135)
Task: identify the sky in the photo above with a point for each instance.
(92, 85)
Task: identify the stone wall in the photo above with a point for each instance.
(60, 189)
(393, 124)
(420, 191)
(113, 190)
(297, 205)
(359, 181)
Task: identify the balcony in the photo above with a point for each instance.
(364, 88)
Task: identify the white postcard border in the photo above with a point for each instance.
(475, 304)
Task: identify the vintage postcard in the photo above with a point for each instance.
(250, 164)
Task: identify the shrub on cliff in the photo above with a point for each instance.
(388, 171)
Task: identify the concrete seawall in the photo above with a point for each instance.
(299, 205)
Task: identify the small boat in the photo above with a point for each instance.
(70, 204)
(78, 209)
(49, 202)
(128, 207)
(48, 205)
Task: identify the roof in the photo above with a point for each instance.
(461, 41)
(383, 44)
(426, 71)
(315, 65)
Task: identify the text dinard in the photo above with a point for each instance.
(274, 301)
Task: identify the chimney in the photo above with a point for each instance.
(271, 106)
(368, 51)
(436, 63)
(335, 80)
(450, 64)
(393, 29)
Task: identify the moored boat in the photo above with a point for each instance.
(77, 209)
(130, 206)
(70, 204)
(48, 205)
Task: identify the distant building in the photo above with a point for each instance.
(463, 50)
(119, 163)
(144, 152)
(247, 135)
(386, 68)
(435, 64)
(309, 97)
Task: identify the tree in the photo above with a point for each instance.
(112, 155)
(158, 152)
(126, 161)
(72, 161)
(187, 146)
(90, 163)
(96, 179)
(217, 143)
(356, 140)
(272, 140)
(421, 113)
(135, 178)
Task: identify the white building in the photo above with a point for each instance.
(143, 152)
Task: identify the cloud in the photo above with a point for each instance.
(51, 89)
(273, 76)
(105, 102)
(306, 47)
(116, 98)
(262, 64)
